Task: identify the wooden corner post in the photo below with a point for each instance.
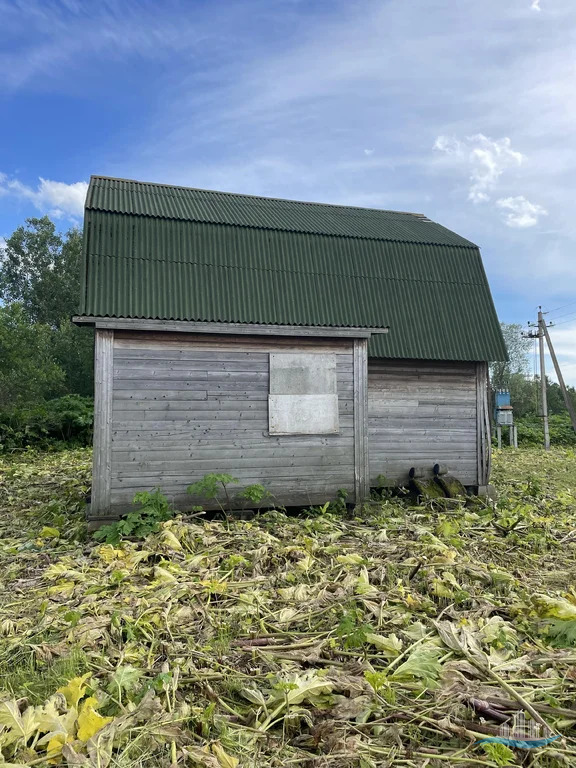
(361, 463)
(101, 461)
(483, 432)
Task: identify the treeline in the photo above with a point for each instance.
(525, 393)
(46, 363)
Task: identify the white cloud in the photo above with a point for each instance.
(519, 212)
(53, 197)
(536, 5)
(368, 152)
(486, 160)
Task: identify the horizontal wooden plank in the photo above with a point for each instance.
(423, 411)
(249, 363)
(197, 370)
(174, 369)
(415, 449)
(189, 409)
(287, 496)
(242, 342)
(466, 472)
(378, 426)
(192, 405)
(271, 469)
(136, 353)
(378, 365)
(455, 413)
(165, 438)
(294, 475)
(180, 395)
(413, 372)
(161, 351)
(249, 329)
(285, 442)
(411, 396)
(263, 450)
(185, 420)
(190, 416)
(423, 459)
(397, 434)
(214, 386)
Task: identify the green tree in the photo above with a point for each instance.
(524, 395)
(40, 270)
(518, 349)
(28, 370)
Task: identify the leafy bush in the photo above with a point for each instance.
(209, 487)
(155, 509)
(66, 420)
(531, 431)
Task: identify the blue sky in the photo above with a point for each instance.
(464, 111)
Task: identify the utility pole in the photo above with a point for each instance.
(541, 332)
(567, 398)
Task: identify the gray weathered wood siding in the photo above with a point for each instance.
(421, 413)
(185, 405)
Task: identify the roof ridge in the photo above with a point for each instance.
(420, 216)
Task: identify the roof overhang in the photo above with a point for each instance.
(246, 329)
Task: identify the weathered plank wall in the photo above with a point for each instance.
(421, 413)
(185, 405)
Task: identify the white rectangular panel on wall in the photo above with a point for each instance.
(303, 397)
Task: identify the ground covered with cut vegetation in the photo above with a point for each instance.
(394, 635)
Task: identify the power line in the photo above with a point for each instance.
(571, 303)
(555, 325)
(566, 314)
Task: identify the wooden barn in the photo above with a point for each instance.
(302, 346)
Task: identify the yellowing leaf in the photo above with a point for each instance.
(54, 747)
(411, 601)
(75, 690)
(351, 559)
(19, 726)
(555, 607)
(390, 645)
(286, 615)
(308, 686)
(442, 588)
(89, 721)
(422, 664)
(363, 586)
(62, 589)
(109, 554)
(169, 540)
(225, 760)
(305, 563)
(49, 533)
(299, 593)
(50, 720)
(162, 576)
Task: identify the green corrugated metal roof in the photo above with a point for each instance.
(154, 251)
(200, 205)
